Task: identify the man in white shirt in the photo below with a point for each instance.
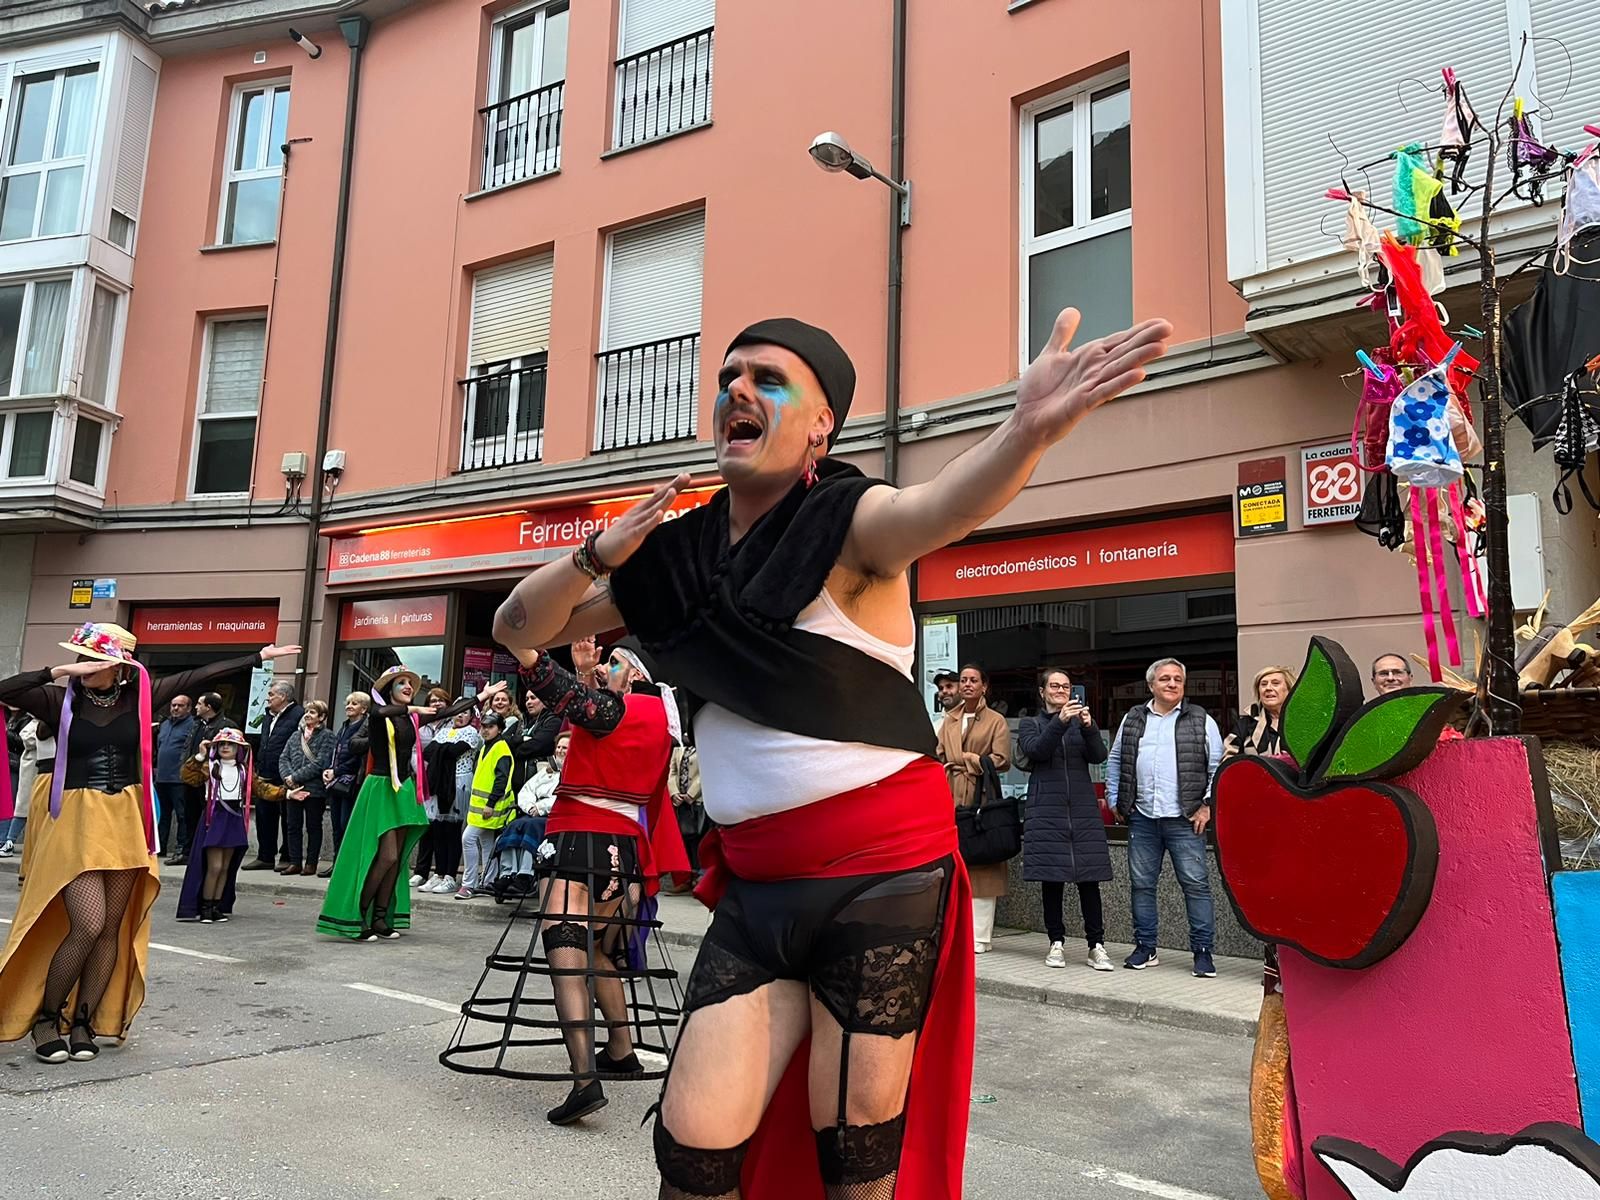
(1158, 779)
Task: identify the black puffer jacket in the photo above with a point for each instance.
(1064, 839)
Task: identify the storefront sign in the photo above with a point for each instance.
(389, 619)
(211, 625)
(940, 652)
(1330, 482)
(1171, 548)
(1262, 503)
(515, 539)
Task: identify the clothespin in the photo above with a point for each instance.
(1469, 331)
(1371, 367)
(1450, 357)
(1593, 130)
(1336, 194)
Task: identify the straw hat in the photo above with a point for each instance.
(386, 680)
(228, 734)
(102, 640)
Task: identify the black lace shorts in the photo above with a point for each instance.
(605, 863)
(865, 944)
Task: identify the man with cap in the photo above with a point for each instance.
(836, 966)
(947, 695)
(609, 838)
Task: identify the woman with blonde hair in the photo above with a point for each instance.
(1260, 731)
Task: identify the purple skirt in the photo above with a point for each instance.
(226, 830)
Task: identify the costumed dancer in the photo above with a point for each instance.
(838, 954)
(367, 897)
(609, 838)
(81, 932)
(219, 845)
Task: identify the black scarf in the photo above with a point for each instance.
(720, 620)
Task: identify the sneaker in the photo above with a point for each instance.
(443, 887)
(981, 947)
(8, 848)
(1142, 957)
(416, 881)
(429, 883)
(1057, 956)
(219, 916)
(465, 893)
(1204, 968)
(1098, 960)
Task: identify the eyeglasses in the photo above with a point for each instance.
(1058, 687)
(1392, 674)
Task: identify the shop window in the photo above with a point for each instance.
(230, 399)
(258, 126)
(50, 127)
(33, 326)
(358, 666)
(1077, 211)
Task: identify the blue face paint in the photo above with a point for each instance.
(781, 396)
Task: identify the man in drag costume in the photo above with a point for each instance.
(826, 1047)
(608, 840)
(81, 934)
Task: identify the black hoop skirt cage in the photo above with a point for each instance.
(510, 1025)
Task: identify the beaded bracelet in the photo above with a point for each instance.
(588, 560)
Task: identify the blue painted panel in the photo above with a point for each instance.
(1577, 896)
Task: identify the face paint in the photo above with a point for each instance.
(779, 395)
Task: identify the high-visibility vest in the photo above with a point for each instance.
(488, 810)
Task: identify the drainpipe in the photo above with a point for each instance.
(897, 172)
(355, 31)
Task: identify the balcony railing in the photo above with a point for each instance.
(522, 136)
(664, 90)
(648, 393)
(502, 422)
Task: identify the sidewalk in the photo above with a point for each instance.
(1013, 970)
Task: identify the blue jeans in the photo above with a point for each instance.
(11, 831)
(1147, 838)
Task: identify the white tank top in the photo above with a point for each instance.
(749, 770)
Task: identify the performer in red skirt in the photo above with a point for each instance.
(826, 1049)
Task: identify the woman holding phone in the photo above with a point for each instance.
(1066, 839)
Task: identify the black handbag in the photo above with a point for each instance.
(990, 831)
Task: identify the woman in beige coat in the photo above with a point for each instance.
(972, 732)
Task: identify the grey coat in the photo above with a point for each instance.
(300, 770)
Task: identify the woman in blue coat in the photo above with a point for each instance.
(1065, 839)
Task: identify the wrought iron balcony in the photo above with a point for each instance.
(664, 90)
(522, 136)
(648, 393)
(502, 421)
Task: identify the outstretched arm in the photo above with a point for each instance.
(895, 527)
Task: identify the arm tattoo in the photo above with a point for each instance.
(601, 596)
(516, 616)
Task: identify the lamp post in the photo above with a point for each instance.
(832, 153)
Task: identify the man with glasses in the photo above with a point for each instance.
(1390, 673)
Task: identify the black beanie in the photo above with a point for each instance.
(826, 358)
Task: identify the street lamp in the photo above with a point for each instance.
(832, 153)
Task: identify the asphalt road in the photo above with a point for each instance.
(269, 1062)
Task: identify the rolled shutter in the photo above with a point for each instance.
(233, 374)
(654, 281)
(511, 310)
(1569, 79)
(647, 24)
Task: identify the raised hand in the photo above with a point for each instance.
(625, 535)
(80, 669)
(585, 657)
(268, 653)
(1062, 386)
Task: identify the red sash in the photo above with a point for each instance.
(900, 823)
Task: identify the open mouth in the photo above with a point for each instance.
(742, 431)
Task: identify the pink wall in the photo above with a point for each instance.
(1464, 1027)
(781, 235)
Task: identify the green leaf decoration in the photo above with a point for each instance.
(1392, 734)
(1312, 710)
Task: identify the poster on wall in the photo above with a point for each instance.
(940, 652)
(476, 663)
(1263, 503)
(255, 712)
(81, 594)
(1330, 482)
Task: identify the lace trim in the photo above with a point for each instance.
(861, 1154)
(718, 974)
(882, 990)
(690, 1172)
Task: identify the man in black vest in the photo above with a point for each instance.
(1158, 778)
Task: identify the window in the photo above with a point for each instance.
(86, 451)
(663, 68)
(257, 129)
(50, 123)
(33, 326)
(230, 398)
(503, 418)
(527, 73)
(1077, 218)
(96, 381)
(650, 332)
(25, 440)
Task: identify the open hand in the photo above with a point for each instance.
(489, 693)
(585, 657)
(625, 535)
(1062, 386)
(78, 670)
(268, 653)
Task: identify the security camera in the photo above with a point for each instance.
(311, 48)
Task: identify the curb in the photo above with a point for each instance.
(1149, 1011)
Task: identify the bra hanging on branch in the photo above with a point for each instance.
(1577, 437)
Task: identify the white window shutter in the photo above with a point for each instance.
(647, 24)
(136, 117)
(45, 63)
(5, 86)
(1302, 104)
(511, 310)
(653, 288)
(233, 371)
(1569, 80)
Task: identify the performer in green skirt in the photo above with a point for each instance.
(367, 898)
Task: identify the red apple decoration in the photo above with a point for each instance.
(1324, 858)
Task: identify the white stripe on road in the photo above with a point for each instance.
(409, 997)
(1149, 1187)
(222, 958)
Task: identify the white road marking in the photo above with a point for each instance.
(1149, 1187)
(410, 997)
(222, 958)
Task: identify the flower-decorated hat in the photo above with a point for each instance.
(228, 734)
(386, 680)
(102, 640)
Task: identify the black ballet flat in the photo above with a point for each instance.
(628, 1067)
(56, 1051)
(82, 1048)
(579, 1104)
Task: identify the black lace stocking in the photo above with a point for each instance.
(688, 1173)
(95, 902)
(860, 1162)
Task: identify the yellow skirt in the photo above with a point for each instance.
(95, 832)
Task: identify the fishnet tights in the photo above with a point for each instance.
(95, 902)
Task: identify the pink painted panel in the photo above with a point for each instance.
(1464, 1027)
